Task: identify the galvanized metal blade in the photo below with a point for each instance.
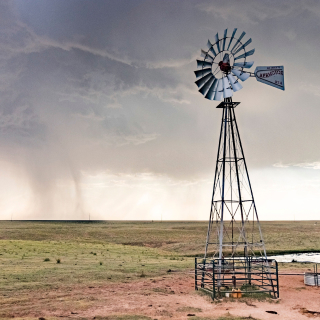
(232, 37)
(224, 39)
(207, 85)
(206, 55)
(203, 80)
(227, 91)
(243, 76)
(243, 46)
(235, 84)
(238, 41)
(219, 92)
(210, 46)
(226, 58)
(202, 73)
(211, 92)
(202, 64)
(247, 54)
(247, 64)
(217, 42)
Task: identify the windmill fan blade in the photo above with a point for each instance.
(242, 35)
(224, 39)
(238, 41)
(243, 76)
(206, 55)
(227, 91)
(243, 46)
(273, 76)
(226, 58)
(247, 64)
(210, 46)
(202, 64)
(203, 80)
(211, 91)
(235, 84)
(207, 85)
(249, 53)
(202, 73)
(219, 92)
(233, 34)
(217, 42)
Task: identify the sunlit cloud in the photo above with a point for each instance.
(304, 165)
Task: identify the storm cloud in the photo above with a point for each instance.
(97, 92)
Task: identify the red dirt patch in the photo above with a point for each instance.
(172, 296)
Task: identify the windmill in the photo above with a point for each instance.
(234, 230)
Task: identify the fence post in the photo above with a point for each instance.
(203, 271)
(195, 274)
(249, 269)
(262, 272)
(213, 282)
(277, 278)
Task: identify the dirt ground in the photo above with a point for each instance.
(169, 297)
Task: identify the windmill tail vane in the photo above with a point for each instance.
(223, 66)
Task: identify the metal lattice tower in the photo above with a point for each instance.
(234, 228)
(235, 253)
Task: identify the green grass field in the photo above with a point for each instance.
(181, 238)
(41, 256)
(29, 251)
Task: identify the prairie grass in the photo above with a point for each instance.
(184, 238)
(99, 253)
(76, 264)
(77, 252)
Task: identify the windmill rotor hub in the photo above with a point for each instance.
(224, 66)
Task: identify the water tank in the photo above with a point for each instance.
(311, 279)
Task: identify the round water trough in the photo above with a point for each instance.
(312, 279)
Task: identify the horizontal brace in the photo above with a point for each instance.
(233, 160)
(233, 201)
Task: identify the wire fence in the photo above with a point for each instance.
(244, 276)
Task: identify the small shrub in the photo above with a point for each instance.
(100, 263)
(46, 259)
(142, 275)
(189, 309)
(58, 260)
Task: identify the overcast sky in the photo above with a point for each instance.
(100, 115)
